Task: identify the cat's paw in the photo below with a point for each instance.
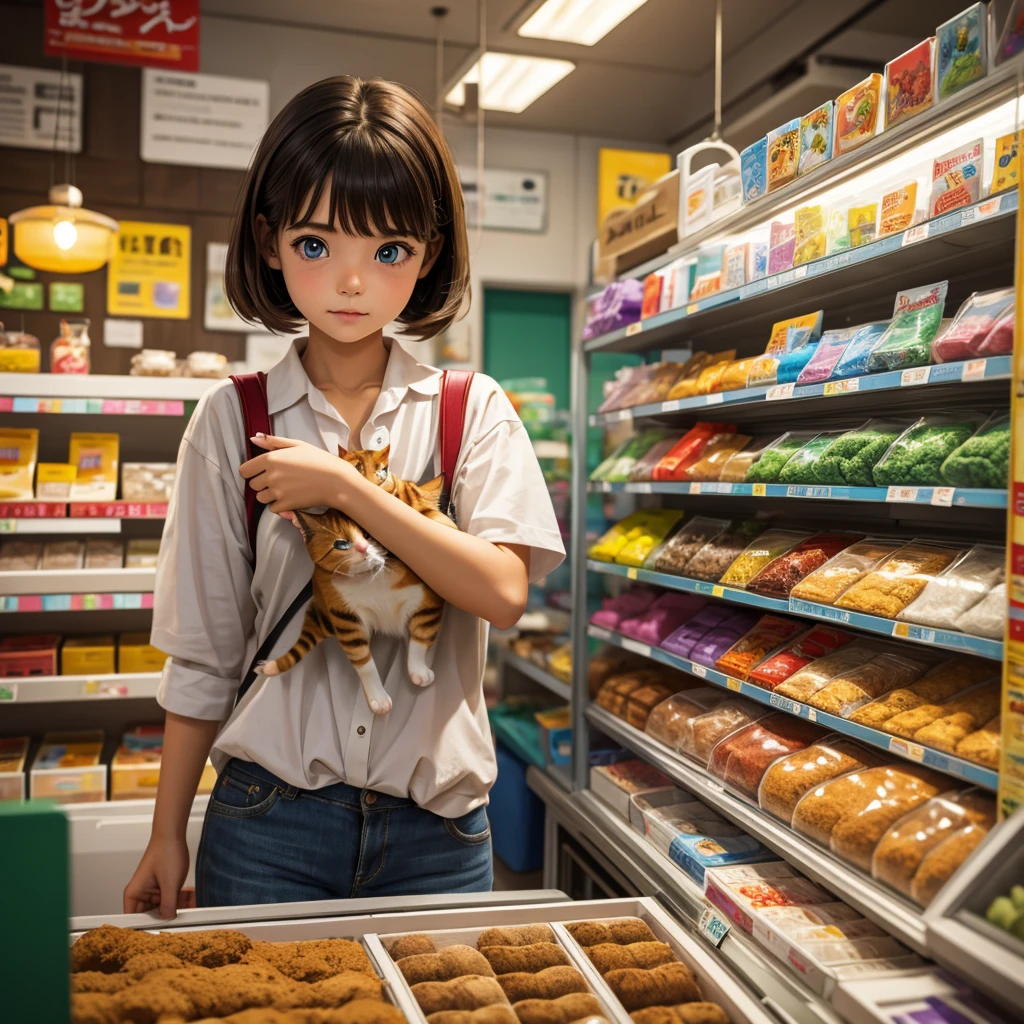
(422, 676)
(380, 705)
(269, 668)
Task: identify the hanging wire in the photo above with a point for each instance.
(716, 134)
(439, 13)
(481, 192)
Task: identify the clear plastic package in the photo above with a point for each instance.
(807, 681)
(21, 555)
(205, 364)
(663, 617)
(983, 460)
(735, 468)
(656, 386)
(800, 468)
(642, 540)
(706, 731)
(817, 642)
(827, 583)
(671, 722)
(849, 458)
(147, 481)
(638, 526)
(713, 644)
(716, 454)
(778, 578)
(141, 554)
(712, 560)
(999, 341)
(759, 553)
(687, 450)
(944, 601)
(643, 468)
(940, 863)
(154, 362)
(988, 617)
(676, 552)
(19, 352)
(616, 467)
(973, 322)
(768, 467)
(697, 377)
(104, 553)
(857, 354)
(944, 726)
(917, 455)
(686, 637)
(735, 376)
(830, 350)
(845, 693)
(770, 632)
(907, 341)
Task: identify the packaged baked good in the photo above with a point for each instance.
(104, 553)
(916, 318)
(795, 920)
(745, 892)
(954, 676)
(154, 362)
(674, 554)
(712, 560)
(95, 457)
(770, 632)
(988, 617)
(615, 690)
(147, 481)
(958, 718)
(984, 745)
(768, 467)
(205, 364)
(687, 450)
(713, 644)
(948, 596)
(829, 581)
(850, 457)
(778, 578)
(887, 590)
(743, 757)
(141, 554)
(854, 360)
(663, 617)
(759, 553)
(683, 640)
(983, 460)
(20, 555)
(904, 846)
(917, 455)
(691, 383)
(834, 951)
(805, 682)
(626, 378)
(975, 318)
(66, 555)
(815, 643)
(643, 700)
(940, 863)
(717, 452)
(879, 711)
(708, 730)
(845, 693)
(791, 776)
(671, 722)
(643, 468)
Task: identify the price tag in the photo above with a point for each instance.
(713, 927)
(674, 406)
(758, 490)
(716, 399)
(599, 634)
(987, 208)
(901, 629)
(9, 692)
(621, 416)
(8, 525)
(734, 684)
(779, 392)
(641, 488)
(974, 369)
(717, 591)
(967, 217)
(698, 670)
(800, 272)
(842, 387)
(918, 233)
(812, 715)
(942, 496)
(692, 308)
(916, 375)
(695, 488)
(634, 328)
(778, 701)
(903, 494)
(631, 573)
(636, 647)
(905, 749)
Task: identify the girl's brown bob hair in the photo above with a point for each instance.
(390, 173)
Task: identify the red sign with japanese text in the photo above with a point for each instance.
(150, 33)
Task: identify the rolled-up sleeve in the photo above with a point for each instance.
(203, 610)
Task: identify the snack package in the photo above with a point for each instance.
(641, 541)
(946, 598)
(689, 378)
(706, 731)
(984, 745)
(907, 340)
(983, 460)
(744, 892)
(828, 353)
(148, 481)
(20, 555)
(617, 465)
(742, 758)
(770, 632)
(863, 221)
(606, 547)
(738, 463)
(657, 386)
(625, 378)
(95, 457)
(917, 455)
(717, 640)
(734, 377)
(768, 467)
(800, 467)
(778, 578)
(957, 177)
(794, 774)
(643, 468)
(857, 354)
(945, 725)
(961, 51)
(846, 693)
(837, 234)
(705, 285)
(857, 114)
(716, 846)
(54, 481)
(676, 552)
(815, 138)
(715, 455)
(754, 170)
(663, 617)
(890, 588)
(685, 638)
(817, 642)
(710, 379)
(671, 722)
(141, 554)
(781, 247)
(799, 352)
(953, 677)
(718, 554)
(63, 555)
(850, 457)
(780, 338)
(1006, 167)
(633, 695)
(18, 451)
(674, 463)
(807, 681)
(940, 863)
(988, 617)
(826, 584)
(738, 266)
(766, 548)
(899, 208)
(783, 154)
(999, 341)
(809, 223)
(908, 82)
(972, 324)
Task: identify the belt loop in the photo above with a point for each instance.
(290, 792)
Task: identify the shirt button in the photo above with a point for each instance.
(380, 438)
(371, 798)
(361, 730)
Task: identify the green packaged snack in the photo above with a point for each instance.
(768, 467)
(617, 467)
(800, 467)
(917, 455)
(907, 340)
(984, 459)
(850, 458)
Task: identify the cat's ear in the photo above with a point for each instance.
(382, 456)
(431, 491)
(341, 452)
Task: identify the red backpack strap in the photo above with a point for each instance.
(252, 396)
(455, 386)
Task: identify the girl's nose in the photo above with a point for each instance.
(350, 284)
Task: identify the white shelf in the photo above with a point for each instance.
(536, 673)
(77, 581)
(66, 524)
(54, 689)
(70, 385)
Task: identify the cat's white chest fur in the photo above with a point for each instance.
(382, 607)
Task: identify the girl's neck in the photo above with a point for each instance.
(346, 368)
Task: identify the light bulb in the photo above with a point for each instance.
(65, 234)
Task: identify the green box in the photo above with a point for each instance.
(67, 297)
(22, 296)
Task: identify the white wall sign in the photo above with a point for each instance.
(122, 333)
(513, 200)
(217, 312)
(201, 120)
(28, 109)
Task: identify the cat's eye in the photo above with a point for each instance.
(342, 545)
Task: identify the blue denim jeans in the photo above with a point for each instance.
(267, 842)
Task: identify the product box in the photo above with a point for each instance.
(696, 854)
(141, 554)
(616, 783)
(699, 201)
(781, 247)
(135, 766)
(148, 481)
(705, 285)
(20, 555)
(858, 114)
(67, 768)
(18, 450)
(22, 656)
(54, 480)
(13, 751)
(87, 656)
(909, 86)
(709, 260)
(780, 331)
(783, 154)
(862, 221)
(816, 137)
(759, 260)
(961, 51)
(738, 266)
(957, 177)
(898, 209)
(682, 277)
(135, 654)
(640, 232)
(754, 170)
(1006, 166)
(809, 224)
(651, 304)
(95, 458)
(104, 553)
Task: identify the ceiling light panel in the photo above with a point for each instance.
(578, 21)
(510, 82)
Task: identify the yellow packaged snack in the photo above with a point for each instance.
(629, 529)
(780, 331)
(644, 539)
(898, 209)
(18, 450)
(1006, 166)
(95, 458)
(810, 223)
(825, 585)
(862, 221)
(711, 376)
(87, 656)
(769, 546)
(54, 480)
(686, 382)
(136, 654)
(735, 376)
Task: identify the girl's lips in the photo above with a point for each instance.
(348, 315)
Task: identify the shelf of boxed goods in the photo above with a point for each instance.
(898, 916)
(653, 874)
(52, 689)
(61, 392)
(537, 673)
(76, 590)
(77, 517)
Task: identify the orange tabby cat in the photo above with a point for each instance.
(360, 588)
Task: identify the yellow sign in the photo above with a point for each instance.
(622, 175)
(3, 240)
(149, 271)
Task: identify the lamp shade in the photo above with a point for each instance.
(65, 239)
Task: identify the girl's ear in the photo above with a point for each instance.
(268, 243)
(434, 247)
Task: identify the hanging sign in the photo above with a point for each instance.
(148, 273)
(31, 98)
(623, 175)
(513, 200)
(154, 33)
(202, 120)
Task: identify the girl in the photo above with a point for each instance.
(351, 217)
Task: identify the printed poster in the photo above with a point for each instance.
(217, 312)
(623, 175)
(148, 273)
(31, 98)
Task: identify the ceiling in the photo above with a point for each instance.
(649, 80)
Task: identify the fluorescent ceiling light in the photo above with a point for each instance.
(510, 82)
(578, 21)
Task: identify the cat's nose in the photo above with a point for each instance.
(362, 546)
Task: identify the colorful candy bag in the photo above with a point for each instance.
(815, 643)
(759, 553)
(915, 322)
(642, 540)
(917, 455)
(854, 360)
(770, 632)
(687, 450)
(828, 353)
(983, 460)
(974, 321)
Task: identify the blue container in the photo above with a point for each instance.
(516, 814)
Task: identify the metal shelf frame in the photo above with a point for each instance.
(509, 659)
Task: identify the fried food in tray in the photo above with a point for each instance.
(685, 1013)
(450, 962)
(485, 1015)
(611, 956)
(623, 931)
(469, 993)
(520, 935)
(549, 983)
(564, 1010)
(533, 958)
(411, 945)
(660, 986)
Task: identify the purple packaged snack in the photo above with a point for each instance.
(713, 644)
(829, 351)
(627, 605)
(682, 641)
(667, 614)
(618, 305)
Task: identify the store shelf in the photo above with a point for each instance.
(947, 763)
(924, 378)
(91, 406)
(942, 243)
(109, 602)
(59, 524)
(537, 674)
(102, 387)
(78, 516)
(892, 912)
(79, 581)
(948, 639)
(53, 689)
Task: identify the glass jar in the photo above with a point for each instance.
(19, 352)
(69, 352)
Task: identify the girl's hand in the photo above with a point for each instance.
(294, 474)
(158, 878)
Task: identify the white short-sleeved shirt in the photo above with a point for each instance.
(312, 726)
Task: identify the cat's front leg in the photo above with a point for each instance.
(419, 671)
(376, 696)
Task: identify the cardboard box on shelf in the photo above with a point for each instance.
(616, 783)
(54, 481)
(95, 458)
(18, 451)
(643, 231)
(13, 751)
(135, 654)
(67, 768)
(87, 656)
(34, 655)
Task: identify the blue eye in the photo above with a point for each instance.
(342, 545)
(392, 254)
(313, 248)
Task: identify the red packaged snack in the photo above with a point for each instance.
(999, 341)
(815, 643)
(779, 577)
(770, 632)
(742, 758)
(974, 321)
(687, 450)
